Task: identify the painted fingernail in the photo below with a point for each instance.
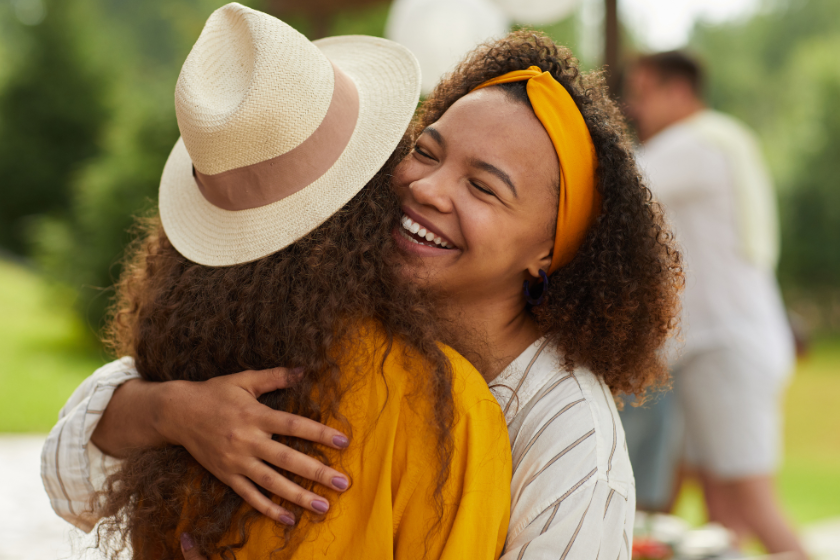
(339, 482)
(186, 542)
(320, 506)
(287, 519)
(340, 441)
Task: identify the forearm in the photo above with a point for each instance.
(134, 418)
(69, 476)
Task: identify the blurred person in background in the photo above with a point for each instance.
(707, 171)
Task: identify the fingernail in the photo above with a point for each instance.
(297, 371)
(339, 482)
(320, 506)
(340, 441)
(287, 519)
(186, 542)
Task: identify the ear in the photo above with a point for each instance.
(542, 261)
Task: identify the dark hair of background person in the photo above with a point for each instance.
(677, 65)
(300, 307)
(613, 306)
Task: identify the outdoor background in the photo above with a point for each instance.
(87, 121)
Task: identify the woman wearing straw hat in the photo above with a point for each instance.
(520, 171)
(268, 250)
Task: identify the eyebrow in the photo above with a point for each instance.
(436, 136)
(490, 168)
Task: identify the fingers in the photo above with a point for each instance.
(301, 464)
(188, 548)
(257, 500)
(285, 424)
(284, 488)
(264, 381)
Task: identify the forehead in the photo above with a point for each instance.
(488, 125)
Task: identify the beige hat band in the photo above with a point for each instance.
(271, 180)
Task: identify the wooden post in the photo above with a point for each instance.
(612, 46)
(318, 12)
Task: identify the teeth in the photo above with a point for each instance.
(410, 225)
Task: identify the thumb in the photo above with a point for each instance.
(259, 382)
(188, 548)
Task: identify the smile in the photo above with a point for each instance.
(415, 233)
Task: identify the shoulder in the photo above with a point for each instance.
(680, 144)
(404, 374)
(566, 439)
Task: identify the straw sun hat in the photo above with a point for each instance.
(277, 133)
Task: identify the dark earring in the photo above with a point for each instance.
(536, 300)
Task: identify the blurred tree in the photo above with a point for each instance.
(52, 112)
(811, 201)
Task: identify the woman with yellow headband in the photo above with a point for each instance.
(523, 210)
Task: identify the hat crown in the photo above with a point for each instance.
(236, 106)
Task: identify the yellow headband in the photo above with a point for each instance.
(579, 199)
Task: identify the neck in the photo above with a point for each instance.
(680, 112)
(491, 335)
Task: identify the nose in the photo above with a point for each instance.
(433, 191)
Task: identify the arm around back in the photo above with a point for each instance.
(220, 422)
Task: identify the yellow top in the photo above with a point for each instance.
(392, 464)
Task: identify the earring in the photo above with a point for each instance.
(531, 299)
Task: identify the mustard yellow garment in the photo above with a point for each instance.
(388, 510)
(580, 201)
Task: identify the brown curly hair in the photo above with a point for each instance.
(295, 308)
(612, 307)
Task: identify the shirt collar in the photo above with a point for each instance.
(523, 377)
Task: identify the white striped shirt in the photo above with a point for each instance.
(572, 491)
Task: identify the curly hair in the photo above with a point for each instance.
(299, 307)
(613, 306)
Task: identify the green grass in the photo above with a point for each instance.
(45, 350)
(809, 481)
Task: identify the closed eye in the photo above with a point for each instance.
(482, 189)
(420, 152)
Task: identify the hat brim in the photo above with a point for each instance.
(387, 77)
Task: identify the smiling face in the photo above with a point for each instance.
(480, 186)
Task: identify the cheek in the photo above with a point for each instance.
(491, 237)
(406, 172)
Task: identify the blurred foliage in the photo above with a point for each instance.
(778, 72)
(53, 111)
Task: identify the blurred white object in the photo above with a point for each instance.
(537, 12)
(822, 539)
(707, 541)
(667, 529)
(441, 32)
(29, 529)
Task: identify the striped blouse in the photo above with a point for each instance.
(572, 491)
